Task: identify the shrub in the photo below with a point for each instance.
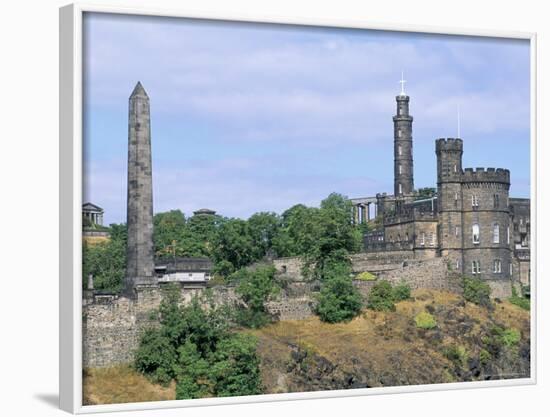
(521, 302)
(425, 320)
(510, 337)
(456, 354)
(499, 338)
(476, 291)
(366, 276)
(401, 292)
(381, 297)
(484, 356)
(194, 346)
(156, 357)
(338, 300)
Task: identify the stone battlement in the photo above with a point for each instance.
(499, 175)
(449, 144)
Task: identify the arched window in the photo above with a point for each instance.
(496, 233)
(475, 233)
(400, 189)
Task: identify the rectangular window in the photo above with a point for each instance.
(508, 235)
(422, 239)
(400, 169)
(496, 201)
(455, 168)
(497, 266)
(496, 233)
(431, 239)
(476, 267)
(457, 264)
(511, 269)
(400, 189)
(399, 133)
(475, 201)
(457, 231)
(475, 233)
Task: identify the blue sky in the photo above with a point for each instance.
(256, 117)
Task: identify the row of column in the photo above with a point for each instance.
(95, 218)
(361, 212)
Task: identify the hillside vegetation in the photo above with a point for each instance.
(434, 337)
(459, 342)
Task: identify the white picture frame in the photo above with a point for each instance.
(70, 153)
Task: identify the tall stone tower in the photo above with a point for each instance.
(449, 200)
(139, 250)
(403, 148)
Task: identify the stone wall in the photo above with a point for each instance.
(500, 288)
(430, 274)
(290, 268)
(288, 308)
(112, 325)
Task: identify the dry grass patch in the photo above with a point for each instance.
(121, 384)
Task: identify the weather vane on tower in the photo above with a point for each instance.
(402, 82)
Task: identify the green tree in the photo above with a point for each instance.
(233, 243)
(156, 356)
(263, 227)
(297, 231)
(203, 229)
(195, 346)
(235, 367)
(426, 192)
(106, 261)
(192, 373)
(255, 286)
(336, 236)
(338, 300)
(169, 233)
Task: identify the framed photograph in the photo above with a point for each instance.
(264, 209)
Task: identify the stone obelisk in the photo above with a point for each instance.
(139, 249)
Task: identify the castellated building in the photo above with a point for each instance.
(469, 219)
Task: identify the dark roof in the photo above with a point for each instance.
(204, 211)
(181, 264)
(91, 206)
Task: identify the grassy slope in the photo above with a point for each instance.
(385, 349)
(121, 384)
